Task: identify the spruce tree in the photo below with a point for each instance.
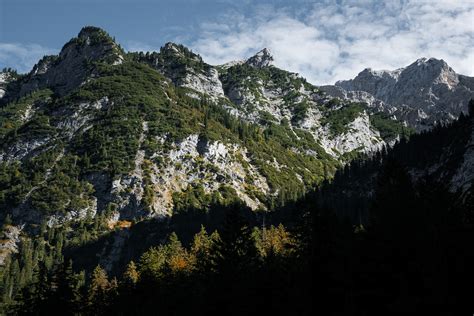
(235, 251)
(98, 288)
(66, 295)
(130, 276)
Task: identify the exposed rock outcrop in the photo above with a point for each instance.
(74, 63)
(262, 59)
(9, 242)
(424, 93)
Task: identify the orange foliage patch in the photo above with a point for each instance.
(178, 263)
(120, 224)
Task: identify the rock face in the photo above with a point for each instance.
(424, 93)
(189, 163)
(358, 96)
(4, 78)
(268, 93)
(186, 69)
(262, 59)
(205, 83)
(359, 136)
(9, 242)
(197, 75)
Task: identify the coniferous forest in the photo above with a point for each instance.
(407, 247)
(154, 183)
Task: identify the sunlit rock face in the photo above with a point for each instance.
(423, 94)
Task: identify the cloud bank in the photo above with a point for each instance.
(326, 42)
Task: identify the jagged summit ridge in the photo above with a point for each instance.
(180, 50)
(422, 71)
(262, 59)
(424, 93)
(88, 31)
(74, 64)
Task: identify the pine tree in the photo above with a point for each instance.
(98, 288)
(235, 251)
(66, 294)
(35, 297)
(202, 245)
(394, 206)
(178, 259)
(130, 276)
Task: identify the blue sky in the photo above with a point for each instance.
(323, 40)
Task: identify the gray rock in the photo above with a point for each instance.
(73, 65)
(262, 59)
(425, 93)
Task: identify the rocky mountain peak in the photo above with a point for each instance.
(424, 93)
(93, 41)
(430, 62)
(261, 59)
(180, 51)
(74, 63)
(431, 71)
(173, 47)
(91, 36)
(89, 31)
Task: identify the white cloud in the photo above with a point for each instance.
(22, 56)
(324, 41)
(328, 41)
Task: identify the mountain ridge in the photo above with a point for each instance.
(107, 156)
(150, 135)
(425, 93)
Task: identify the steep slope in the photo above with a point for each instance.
(73, 65)
(98, 134)
(257, 92)
(121, 140)
(440, 158)
(424, 93)
(4, 79)
(263, 93)
(184, 69)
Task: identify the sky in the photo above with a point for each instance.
(324, 41)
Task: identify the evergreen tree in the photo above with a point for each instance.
(36, 297)
(98, 290)
(130, 276)
(201, 246)
(66, 295)
(235, 251)
(394, 207)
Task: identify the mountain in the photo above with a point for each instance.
(422, 94)
(95, 130)
(105, 153)
(73, 65)
(441, 158)
(4, 78)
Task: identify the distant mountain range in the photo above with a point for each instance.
(422, 94)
